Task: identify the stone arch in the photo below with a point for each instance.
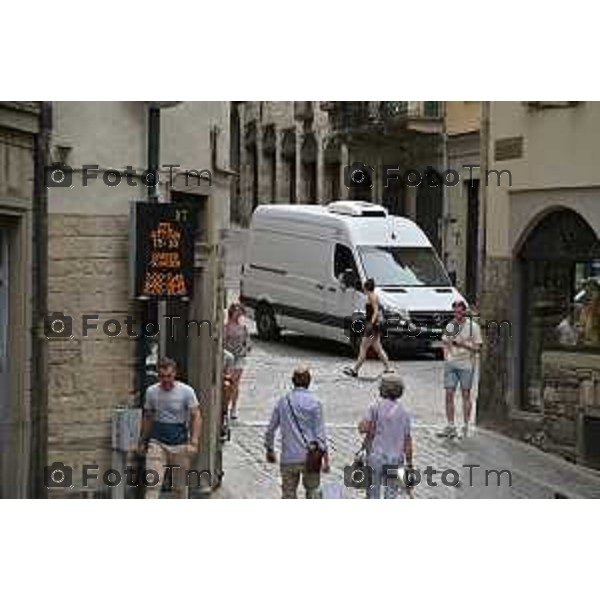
(269, 141)
(288, 144)
(288, 157)
(558, 233)
(308, 160)
(555, 251)
(550, 217)
(309, 148)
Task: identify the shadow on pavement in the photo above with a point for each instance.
(321, 346)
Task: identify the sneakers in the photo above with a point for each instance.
(350, 371)
(468, 431)
(448, 432)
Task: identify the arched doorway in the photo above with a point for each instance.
(288, 156)
(269, 146)
(554, 259)
(333, 169)
(252, 163)
(309, 168)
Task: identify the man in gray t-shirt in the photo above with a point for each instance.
(170, 429)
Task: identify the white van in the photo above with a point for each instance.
(305, 264)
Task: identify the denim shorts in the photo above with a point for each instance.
(454, 374)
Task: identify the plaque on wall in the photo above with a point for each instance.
(508, 148)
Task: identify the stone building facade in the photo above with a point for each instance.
(89, 270)
(541, 226)
(283, 153)
(297, 152)
(22, 136)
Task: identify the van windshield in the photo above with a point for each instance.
(405, 267)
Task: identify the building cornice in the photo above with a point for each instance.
(20, 116)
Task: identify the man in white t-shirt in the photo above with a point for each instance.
(170, 430)
(462, 341)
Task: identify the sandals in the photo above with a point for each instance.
(351, 372)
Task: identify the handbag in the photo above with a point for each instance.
(314, 454)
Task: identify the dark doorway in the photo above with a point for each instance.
(178, 311)
(472, 243)
(429, 212)
(270, 159)
(254, 163)
(548, 264)
(288, 155)
(591, 442)
(309, 168)
(332, 181)
(393, 195)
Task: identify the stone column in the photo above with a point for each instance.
(260, 167)
(411, 202)
(343, 165)
(320, 183)
(299, 187)
(280, 170)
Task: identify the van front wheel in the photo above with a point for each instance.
(266, 325)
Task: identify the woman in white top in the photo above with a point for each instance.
(236, 340)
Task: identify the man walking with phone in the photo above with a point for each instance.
(461, 342)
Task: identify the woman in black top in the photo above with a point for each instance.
(372, 333)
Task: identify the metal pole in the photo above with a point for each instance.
(485, 160)
(148, 308)
(153, 150)
(445, 207)
(39, 363)
(154, 196)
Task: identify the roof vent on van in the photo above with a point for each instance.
(356, 208)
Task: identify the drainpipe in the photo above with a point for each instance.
(147, 309)
(39, 358)
(445, 206)
(484, 407)
(485, 160)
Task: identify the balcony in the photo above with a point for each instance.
(389, 118)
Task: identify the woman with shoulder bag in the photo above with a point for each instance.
(388, 439)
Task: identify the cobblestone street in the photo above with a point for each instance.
(247, 475)
(345, 400)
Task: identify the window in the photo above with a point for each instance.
(343, 259)
(431, 109)
(404, 267)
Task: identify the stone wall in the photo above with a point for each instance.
(495, 305)
(88, 377)
(571, 390)
(19, 127)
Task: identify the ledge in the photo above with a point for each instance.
(577, 357)
(20, 116)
